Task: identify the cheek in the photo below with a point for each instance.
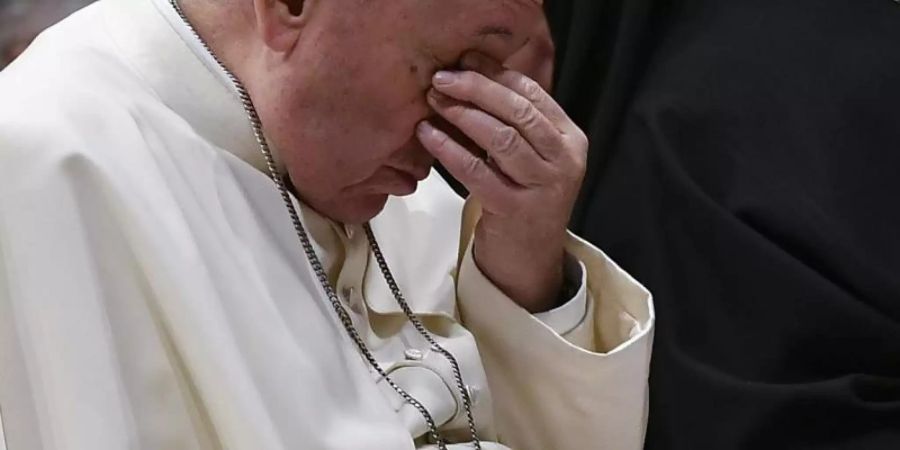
(395, 94)
(351, 136)
(353, 116)
(387, 108)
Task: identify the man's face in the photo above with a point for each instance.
(342, 109)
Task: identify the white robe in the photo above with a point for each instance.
(153, 294)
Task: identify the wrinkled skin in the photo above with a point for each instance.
(348, 94)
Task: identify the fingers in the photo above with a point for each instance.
(475, 173)
(520, 102)
(529, 137)
(506, 105)
(503, 143)
(522, 85)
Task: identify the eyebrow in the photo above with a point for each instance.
(493, 30)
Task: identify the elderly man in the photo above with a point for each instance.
(219, 229)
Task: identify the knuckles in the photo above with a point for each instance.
(524, 112)
(473, 167)
(504, 140)
(530, 89)
(579, 144)
(580, 140)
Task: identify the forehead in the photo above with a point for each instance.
(512, 15)
(498, 26)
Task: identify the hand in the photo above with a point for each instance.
(528, 180)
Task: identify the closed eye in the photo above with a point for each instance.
(493, 30)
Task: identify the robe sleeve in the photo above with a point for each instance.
(76, 305)
(58, 387)
(571, 314)
(584, 389)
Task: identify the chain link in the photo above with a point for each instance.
(401, 300)
(322, 276)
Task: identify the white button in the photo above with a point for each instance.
(413, 354)
(473, 393)
(347, 293)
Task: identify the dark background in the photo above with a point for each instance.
(744, 166)
(22, 20)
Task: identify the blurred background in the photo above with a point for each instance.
(22, 20)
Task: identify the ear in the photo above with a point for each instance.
(279, 22)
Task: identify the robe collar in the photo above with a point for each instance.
(164, 51)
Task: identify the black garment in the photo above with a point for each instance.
(745, 166)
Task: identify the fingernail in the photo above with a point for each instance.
(425, 129)
(444, 77)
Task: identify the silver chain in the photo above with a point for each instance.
(319, 269)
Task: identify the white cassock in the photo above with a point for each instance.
(153, 294)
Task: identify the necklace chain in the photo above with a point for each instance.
(318, 268)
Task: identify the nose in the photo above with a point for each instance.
(414, 159)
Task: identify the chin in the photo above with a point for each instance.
(358, 210)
